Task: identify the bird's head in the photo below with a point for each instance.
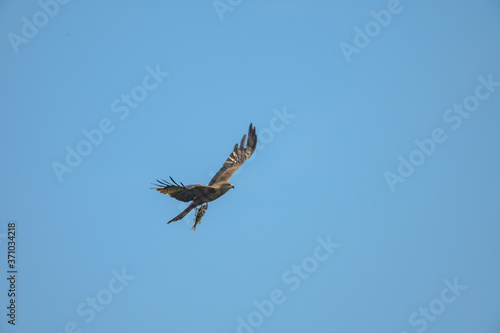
(227, 186)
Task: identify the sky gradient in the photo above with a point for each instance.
(370, 204)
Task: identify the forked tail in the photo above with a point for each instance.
(184, 213)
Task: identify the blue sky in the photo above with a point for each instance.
(370, 203)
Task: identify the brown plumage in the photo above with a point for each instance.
(201, 194)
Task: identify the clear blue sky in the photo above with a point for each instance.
(371, 204)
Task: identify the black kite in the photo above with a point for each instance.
(201, 194)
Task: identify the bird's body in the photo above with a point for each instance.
(201, 194)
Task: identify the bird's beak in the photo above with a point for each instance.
(232, 186)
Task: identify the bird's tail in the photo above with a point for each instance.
(184, 213)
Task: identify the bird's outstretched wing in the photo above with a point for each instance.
(238, 156)
(182, 192)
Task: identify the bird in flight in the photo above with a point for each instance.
(202, 194)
